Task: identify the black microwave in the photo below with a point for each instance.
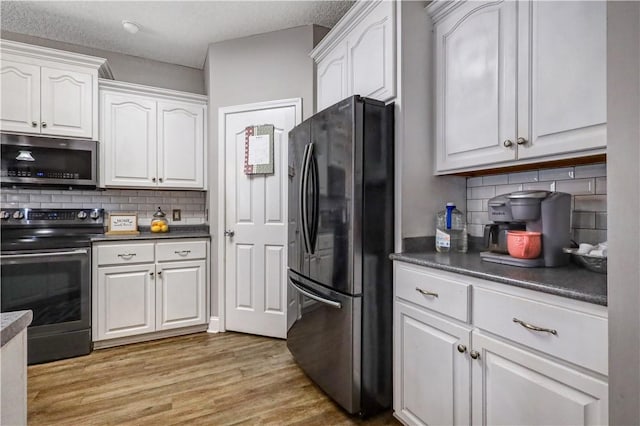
(32, 160)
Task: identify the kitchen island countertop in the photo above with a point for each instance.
(571, 281)
(12, 323)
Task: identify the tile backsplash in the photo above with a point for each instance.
(144, 202)
(587, 185)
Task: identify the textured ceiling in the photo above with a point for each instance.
(177, 32)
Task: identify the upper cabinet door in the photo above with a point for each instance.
(66, 103)
(476, 85)
(332, 78)
(20, 99)
(128, 136)
(562, 77)
(371, 47)
(180, 145)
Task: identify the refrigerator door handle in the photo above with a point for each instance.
(315, 297)
(316, 200)
(303, 198)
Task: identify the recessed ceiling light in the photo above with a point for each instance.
(130, 27)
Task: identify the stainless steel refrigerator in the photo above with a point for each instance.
(340, 236)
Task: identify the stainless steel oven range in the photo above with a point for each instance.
(46, 267)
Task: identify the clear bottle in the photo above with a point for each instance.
(451, 230)
(159, 223)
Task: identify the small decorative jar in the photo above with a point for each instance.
(159, 223)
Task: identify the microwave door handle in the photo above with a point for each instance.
(315, 297)
(36, 255)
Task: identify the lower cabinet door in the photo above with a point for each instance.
(181, 294)
(512, 386)
(432, 369)
(126, 296)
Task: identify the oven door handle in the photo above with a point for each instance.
(55, 253)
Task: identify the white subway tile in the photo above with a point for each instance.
(35, 198)
(479, 218)
(505, 189)
(591, 170)
(539, 186)
(601, 220)
(474, 181)
(591, 236)
(495, 179)
(469, 193)
(81, 198)
(592, 203)
(577, 186)
(601, 185)
(482, 192)
(475, 230)
(564, 173)
(474, 205)
(61, 198)
(585, 220)
(51, 205)
(17, 197)
(29, 205)
(119, 199)
(523, 177)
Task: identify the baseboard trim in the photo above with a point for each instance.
(214, 325)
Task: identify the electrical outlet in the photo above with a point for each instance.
(177, 215)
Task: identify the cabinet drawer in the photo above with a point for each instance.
(181, 250)
(448, 297)
(579, 337)
(119, 254)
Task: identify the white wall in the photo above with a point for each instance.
(253, 69)
(423, 194)
(623, 187)
(131, 69)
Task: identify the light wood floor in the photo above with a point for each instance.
(213, 379)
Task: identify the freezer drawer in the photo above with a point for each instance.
(325, 340)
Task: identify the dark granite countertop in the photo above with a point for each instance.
(182, 231)
(571, 281)
(12, 323)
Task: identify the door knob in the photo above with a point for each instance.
(229, 233)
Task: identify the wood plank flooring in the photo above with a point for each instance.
(210, 379)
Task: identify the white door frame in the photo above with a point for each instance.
(222, 113)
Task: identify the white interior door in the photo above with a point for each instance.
(256, 217)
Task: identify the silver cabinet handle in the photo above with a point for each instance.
(44, 124)
(474, 354)
(182, 252)
(535, 328)
(34, 123)
(462, 348)
(521, 141)
(426, 293)
(126, 256)
(507, 143)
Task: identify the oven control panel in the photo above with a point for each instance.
(54, 217)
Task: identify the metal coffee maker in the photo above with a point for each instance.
(495, 234)
(540, 211)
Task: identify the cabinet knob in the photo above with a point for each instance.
(153, 179)
(462, 348)
(151, 274)
(474, 354)
(507, 143)
(160, 273)
(34, 124)
(44, 124)
(521, 141)
(160, 179)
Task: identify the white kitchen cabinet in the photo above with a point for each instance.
(127, 296)
(152, 138)
(49, 92)
(506, 356)
(129, 140)
(514, 386)
(358, 56)
(181, 296)
(518, 82)
(432, 379)
(142, 288)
